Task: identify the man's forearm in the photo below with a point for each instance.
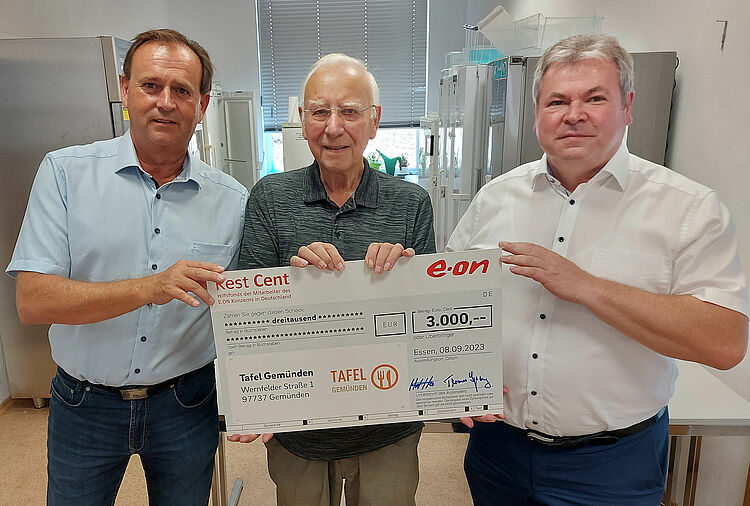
(46, 298)
(679, 326)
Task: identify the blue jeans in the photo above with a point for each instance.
(505, 467)
(93, 432)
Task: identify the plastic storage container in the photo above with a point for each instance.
(536, 33)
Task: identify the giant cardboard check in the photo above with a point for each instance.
(309, 349)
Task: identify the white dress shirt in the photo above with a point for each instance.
(635, 222)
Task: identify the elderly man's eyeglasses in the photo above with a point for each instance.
(346, 112)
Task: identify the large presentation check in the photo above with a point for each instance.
(306, 349)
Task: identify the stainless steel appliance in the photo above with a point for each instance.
(53, 93)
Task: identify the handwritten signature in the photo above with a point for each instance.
(421, 383)
(475, 379)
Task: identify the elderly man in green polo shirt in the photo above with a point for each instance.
(339, 209)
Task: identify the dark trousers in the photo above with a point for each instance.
(504, 467)
(92, 433)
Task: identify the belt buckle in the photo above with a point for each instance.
(540, 438)
(134, 394)
(562, 442)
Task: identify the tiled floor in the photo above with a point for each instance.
(23, 477)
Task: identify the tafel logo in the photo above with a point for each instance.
(440, 268)
(384, 377)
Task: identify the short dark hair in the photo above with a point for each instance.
(168, 36)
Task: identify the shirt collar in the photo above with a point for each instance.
(366, 193)
(617, 167)
(127, 158)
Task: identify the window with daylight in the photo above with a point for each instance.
(389, 36)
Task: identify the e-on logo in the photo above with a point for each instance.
(438, 269)
(384, 377)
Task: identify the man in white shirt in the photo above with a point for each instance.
(616, 266)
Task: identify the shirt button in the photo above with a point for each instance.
(535, 422)
(533, 392)
(542, 316)
(158, 196)
(337, 234)
(154, 266)
(157, 230)
(572, 202)
(534, 356)
(143, 339)
(561, 239)
(137, 371)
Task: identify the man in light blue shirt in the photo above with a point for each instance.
(117, 244)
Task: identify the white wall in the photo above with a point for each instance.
(708, 142)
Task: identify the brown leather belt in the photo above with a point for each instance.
(606, 437)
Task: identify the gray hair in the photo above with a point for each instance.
(342, 60)
(583, 47)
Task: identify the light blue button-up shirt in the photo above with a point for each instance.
(95, 215)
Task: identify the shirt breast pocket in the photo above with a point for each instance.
(642, 270)
(220, 254)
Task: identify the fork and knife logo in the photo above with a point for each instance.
(384, 377)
